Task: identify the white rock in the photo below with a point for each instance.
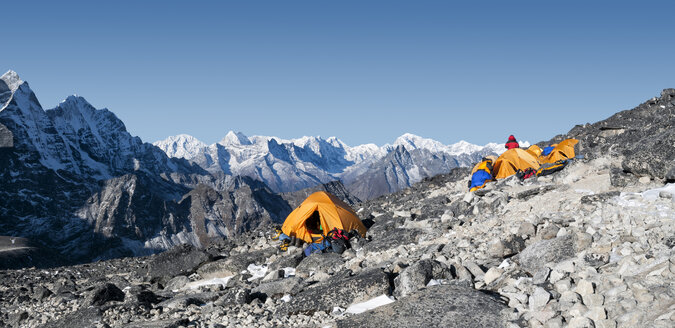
(584, 287)
(580, 322)
(538, 299)
(596, 313)
(492, 274)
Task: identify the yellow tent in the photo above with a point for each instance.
(485, 164)
(534, 150)
(513, 160)
(562, 151)
(333, 213)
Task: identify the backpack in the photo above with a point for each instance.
(522, 175)
(339, 240)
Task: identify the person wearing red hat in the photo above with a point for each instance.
(511, 143)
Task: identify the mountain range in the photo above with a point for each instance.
(77, 184)
(367, 171)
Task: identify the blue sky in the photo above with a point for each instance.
(364, 71)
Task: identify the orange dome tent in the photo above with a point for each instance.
(333, 213)
(534, 150)
(562, 151)
(513, 160)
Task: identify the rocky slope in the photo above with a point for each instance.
(573, 249)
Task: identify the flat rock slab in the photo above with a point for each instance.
(319, 262)
(234, 264)
(435, 306)
(535, 256)
(340, 290)
(291, 286)
(81, 318)
(396, 237)
(180, 260)
(172, 323)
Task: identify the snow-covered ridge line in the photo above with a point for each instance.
(188, 147)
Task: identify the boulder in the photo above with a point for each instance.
(435, 306)
(396, 237)
(180, 260)
(234, 264)
(84, 317)
(176, 283)
(170, 323)
(104, 294)
(558, 249)
(319, 262)
(292, 286)
(182, 301)
(418, 276)
(340, 290)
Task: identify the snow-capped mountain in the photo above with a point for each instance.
(76, 182)
(288, 165)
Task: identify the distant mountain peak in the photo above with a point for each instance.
(235, 138)
(12, 80)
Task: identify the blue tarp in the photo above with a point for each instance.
(547, 150)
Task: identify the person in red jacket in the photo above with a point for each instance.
(511, 143)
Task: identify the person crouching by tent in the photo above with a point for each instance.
(511, 143)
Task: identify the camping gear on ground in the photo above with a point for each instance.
(319, 247)
(481, 173)
(513, 160)
(331, 212)
(528, 173)
(339, 240)
(562, 151)
(549, 168)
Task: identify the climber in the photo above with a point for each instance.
(511, 143)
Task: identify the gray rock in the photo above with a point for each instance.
(85, 317)
(234, 296)
(418, 276)
(176, 283)
(396, 237)
(291, 285)
(234, 264)
(435, 306)
(180, 260)
(340, 290)
(533, 258)
(527, 194)
(170, 323)
(286, 261)
(182, 301)
(526, 229)
(599, 198)
(6, 137)
(596, 259)
(319, 262)
(619, 178)
(383, 226)
(104, 294)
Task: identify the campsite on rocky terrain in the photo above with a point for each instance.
(337, 164)
(590, 245)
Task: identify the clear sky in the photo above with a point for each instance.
(364, 71)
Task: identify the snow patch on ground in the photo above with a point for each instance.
(214, 281)
(257, 271)
(289, 272)
(369, 304)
